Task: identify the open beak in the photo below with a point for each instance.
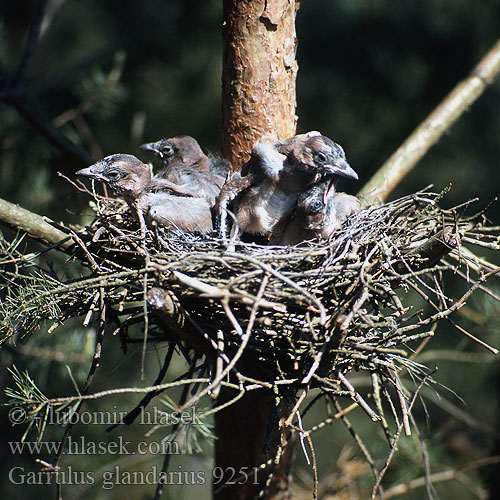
(343, 169)
(330, 188)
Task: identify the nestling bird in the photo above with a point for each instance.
(185, 164)
(157, 200)
(277, 173)
(318, 212)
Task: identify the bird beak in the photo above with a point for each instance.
(343, 169)
(90, 172)
(151, 146)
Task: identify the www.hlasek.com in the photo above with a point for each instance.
(117, 476)
(81, 446)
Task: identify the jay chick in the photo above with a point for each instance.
(319, 212)
(185, 164)
(277, 173)
(157, 200)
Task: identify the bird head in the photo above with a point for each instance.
(124, 174)
(164, 149)
(181, 149)
(320, 154)
(310, 208)
(314, 204)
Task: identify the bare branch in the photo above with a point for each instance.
(459, 100)
(38, 227)
(30, 44)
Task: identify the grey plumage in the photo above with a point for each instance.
(158, 200)
(318, 212)
(186, 165)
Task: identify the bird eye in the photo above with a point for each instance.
(168, 150)
(114, 175)
(321, 157)
(316, 207)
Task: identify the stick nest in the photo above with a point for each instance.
(303, 314)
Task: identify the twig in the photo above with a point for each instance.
(357, 397)
(26, 108)
(133, 414)
(455, 307)
(402, 401)
(166, 459)
(219, 362)
(245, 337)
(358, 441)
(90, 377)
(30, 44)
(396, 439)
(438, 477)
(286, 280)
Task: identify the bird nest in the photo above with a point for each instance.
(276, 316)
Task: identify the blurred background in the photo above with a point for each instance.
(110, 75)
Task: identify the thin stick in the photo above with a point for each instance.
(168, 456)
(401, 489)
(357, 397)
(31, 41)
(378, 482)
(133, 414)
(219, 362)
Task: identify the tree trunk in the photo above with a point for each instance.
(258, 75)
(259, 100)
(248, 435)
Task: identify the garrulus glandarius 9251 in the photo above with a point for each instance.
(157, 200)
(185, 164)
(318, 212)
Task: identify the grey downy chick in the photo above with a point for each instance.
(319, 211)
(157, 200)
(186, 165)
(279, 172)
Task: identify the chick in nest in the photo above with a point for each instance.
(266, 190)
(186, 165)
(156, 200)
(318, 212)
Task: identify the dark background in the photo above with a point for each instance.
(110, 75)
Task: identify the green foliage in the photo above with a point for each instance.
(28, 403)
(27, 304)
(190, 433)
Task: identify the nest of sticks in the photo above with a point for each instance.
(275, 316)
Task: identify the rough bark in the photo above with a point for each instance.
(259, 72)
(258, 100)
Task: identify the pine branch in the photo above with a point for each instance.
(458, 101)
(36, 226)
